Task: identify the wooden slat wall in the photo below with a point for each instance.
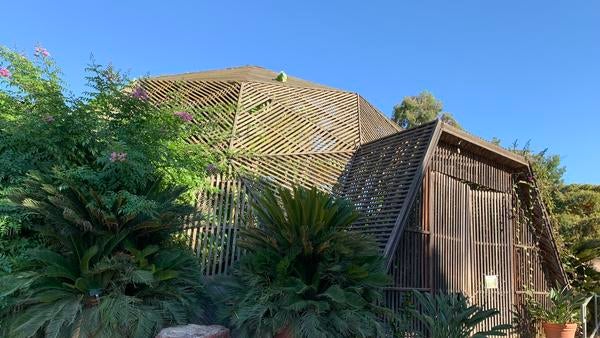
(410, 269)
(466, 166)
(492, 238)
(224, 210)
(451, 266)
(413, 252)
(477, 196)
(475, 206)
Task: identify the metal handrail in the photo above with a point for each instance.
(584, 317)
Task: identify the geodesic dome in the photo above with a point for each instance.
(291, 133)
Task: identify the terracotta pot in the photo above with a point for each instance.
(285, 333)
(560, 330)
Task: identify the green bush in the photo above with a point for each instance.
(304, 271)
(109, 269)
(88, 205)
(450, 315)
(111, 138)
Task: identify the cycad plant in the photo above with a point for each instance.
(108, 269)
(451, 315)
(304, 273)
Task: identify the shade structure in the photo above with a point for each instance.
(289, 133)
(449, 211)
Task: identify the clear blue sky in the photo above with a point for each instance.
(525, 70)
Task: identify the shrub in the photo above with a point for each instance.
(112, 138)
(109, 268)
(304, 271)
(450, 315)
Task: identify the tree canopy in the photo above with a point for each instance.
(416, 110)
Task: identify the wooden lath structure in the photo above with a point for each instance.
(289, 133)
(450, 210)
(446, 208)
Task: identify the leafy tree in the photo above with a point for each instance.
(581, 265)
(303, 272)
(578, 212)
(88, 182)
(578, 215)
(416, 110)
(112, 138)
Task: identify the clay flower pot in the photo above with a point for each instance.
(553, 330)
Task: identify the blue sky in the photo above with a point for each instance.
(517, 70)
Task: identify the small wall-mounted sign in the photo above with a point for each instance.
(491, 281)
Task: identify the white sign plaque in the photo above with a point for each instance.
(491, 281)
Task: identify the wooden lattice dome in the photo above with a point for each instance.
(291, 133)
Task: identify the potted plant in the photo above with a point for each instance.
(561, 318)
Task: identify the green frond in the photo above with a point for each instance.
(304, 270)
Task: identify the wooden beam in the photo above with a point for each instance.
(518, 160)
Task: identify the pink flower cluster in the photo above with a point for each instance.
(118, 157)
(140, 94)
(4, 72)
(184, 116)
(41, 51)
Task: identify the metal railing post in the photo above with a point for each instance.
(596, 316)
(583, 319)
(595, 311)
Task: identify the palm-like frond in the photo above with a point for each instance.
(109, 270)
(305, 271)
(451, 315)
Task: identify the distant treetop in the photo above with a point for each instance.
(416, 110)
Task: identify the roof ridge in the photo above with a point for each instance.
(245, 73)
(484, 144)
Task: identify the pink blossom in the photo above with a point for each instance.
(48, 118)
(140, 94)
(41, 51)
(4, 72)
(118, 157)
(184, 116)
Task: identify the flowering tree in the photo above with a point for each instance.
(111, 139)
(96, 187)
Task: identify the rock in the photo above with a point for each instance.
(194, 331)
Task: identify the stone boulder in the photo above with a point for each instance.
(194, 331)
